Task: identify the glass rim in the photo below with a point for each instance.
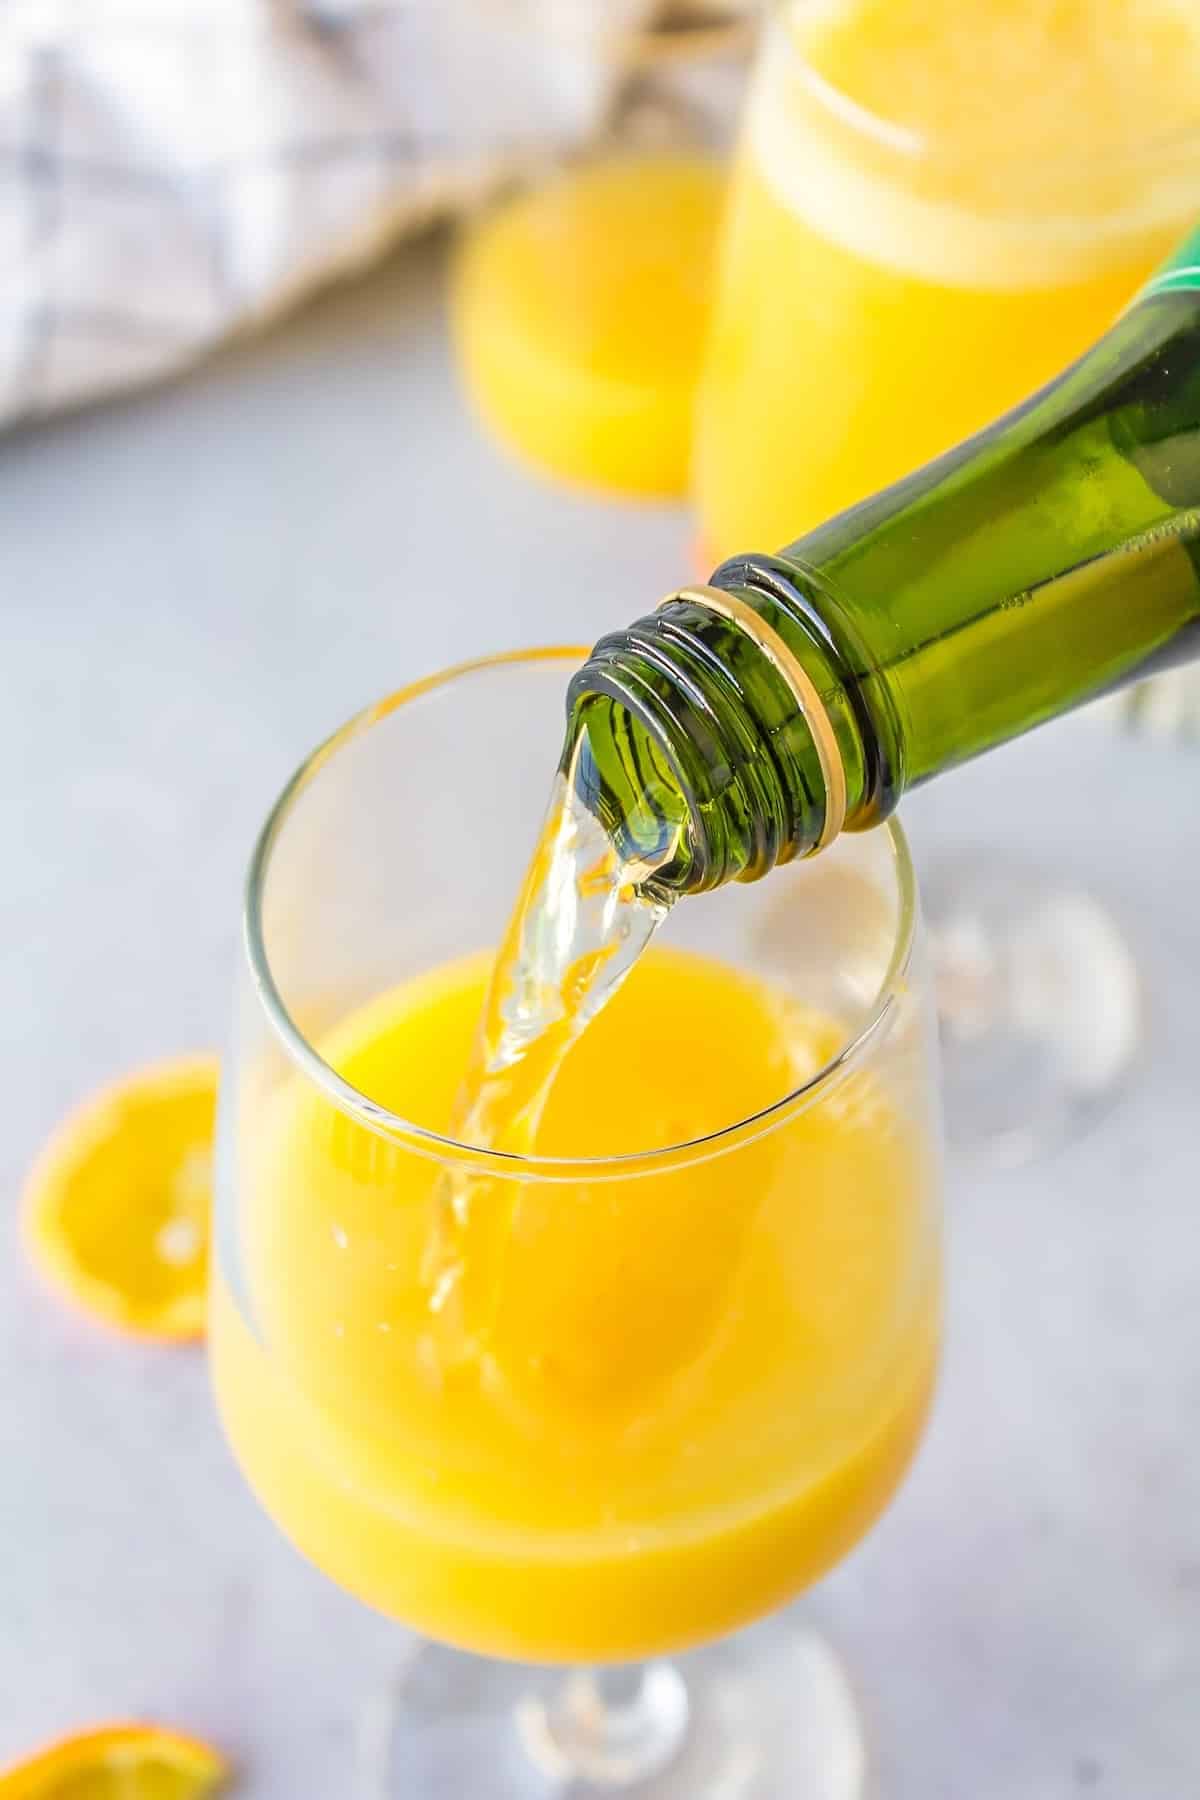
(443, 1148)
(925, 146)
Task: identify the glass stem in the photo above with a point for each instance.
(608, 1728)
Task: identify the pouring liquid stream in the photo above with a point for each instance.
(582, 919)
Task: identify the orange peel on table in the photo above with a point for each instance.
(118, 1762)
(116, 1211)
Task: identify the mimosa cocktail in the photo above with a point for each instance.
(936, 208)
(689, 1341)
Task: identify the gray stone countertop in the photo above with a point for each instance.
(195, 586)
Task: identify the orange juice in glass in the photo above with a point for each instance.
(936, 208)
(716, 1271)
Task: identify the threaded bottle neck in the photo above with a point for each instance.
(700, 719)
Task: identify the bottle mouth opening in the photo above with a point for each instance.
(683, 709)
(638, 787)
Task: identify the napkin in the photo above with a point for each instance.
(174, 170)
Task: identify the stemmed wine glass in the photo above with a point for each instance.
(718, 1349)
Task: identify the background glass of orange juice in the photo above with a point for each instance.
(579, 297)
(935, 209)
(715, 1282)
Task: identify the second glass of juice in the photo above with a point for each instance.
(936, 209)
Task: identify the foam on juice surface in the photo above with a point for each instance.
(1002, 144)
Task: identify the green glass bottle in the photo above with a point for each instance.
(1048, 560)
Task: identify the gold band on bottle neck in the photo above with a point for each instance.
(798, 679)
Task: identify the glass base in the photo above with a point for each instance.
(1039, 1006)
(768, 1715)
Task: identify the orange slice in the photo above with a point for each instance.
(118, 1762)
(117, 1205)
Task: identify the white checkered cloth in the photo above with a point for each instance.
(173, 169)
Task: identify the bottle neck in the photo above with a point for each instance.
(708, 720)
(1050, 559)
